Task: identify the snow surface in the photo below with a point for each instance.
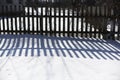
(37, 57)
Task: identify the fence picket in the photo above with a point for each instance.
(77, 23)
(62, 20)
(59, 21)
(82, 17)
(7, 20)
(46, 20)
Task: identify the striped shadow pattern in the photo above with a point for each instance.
(71, 47)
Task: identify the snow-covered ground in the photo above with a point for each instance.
(37, 57)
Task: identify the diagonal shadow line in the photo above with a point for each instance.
(77, 47)
(114, 56)
(114, 45)
(89, 48)
(65, 46)
(3, 43)
(75, 44)
(60, 47)
(95, 46)
(72, 46)
(104, 48)
(2, 47)
(81, 48)
(58, 44)
(101, 54)
(98, 47)
(53, 42)
(43, 46)
(7, 45)
(66, 49)
(111, 51)
(89, 55)
(27, 42)
(38, 46)
(95, 55)
(118, 43)
(0, 40)
(110, 55)
(71, 50)
(12, 46)
(110, 47)
(81, 51)
(49, 46)
(106, 54)
(22, 46)
(28, 46)
(76, 54)
(17, 45)
(33, 43)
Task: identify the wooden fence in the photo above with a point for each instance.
(60, 20)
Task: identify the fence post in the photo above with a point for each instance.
(7, 19)
(112, 33)
(95, 13)
(59, 21)
(11, 18)
(82, 17)
(118, 33)
(73, 21)
(0, 22)
(33, 29)
(91, 15)
(41, 21)
(3, 19)
(15, 7)
(68, 22)
(55, 21)
(64, 21)
(46, 20)
(12, 24)
(50, 21)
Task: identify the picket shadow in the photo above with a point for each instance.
(71, 47)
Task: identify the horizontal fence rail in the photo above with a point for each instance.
(84, 21)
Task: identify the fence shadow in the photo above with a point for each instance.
(38, 45)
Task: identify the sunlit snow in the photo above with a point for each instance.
(37, 57)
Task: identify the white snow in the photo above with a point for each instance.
(37, 57)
